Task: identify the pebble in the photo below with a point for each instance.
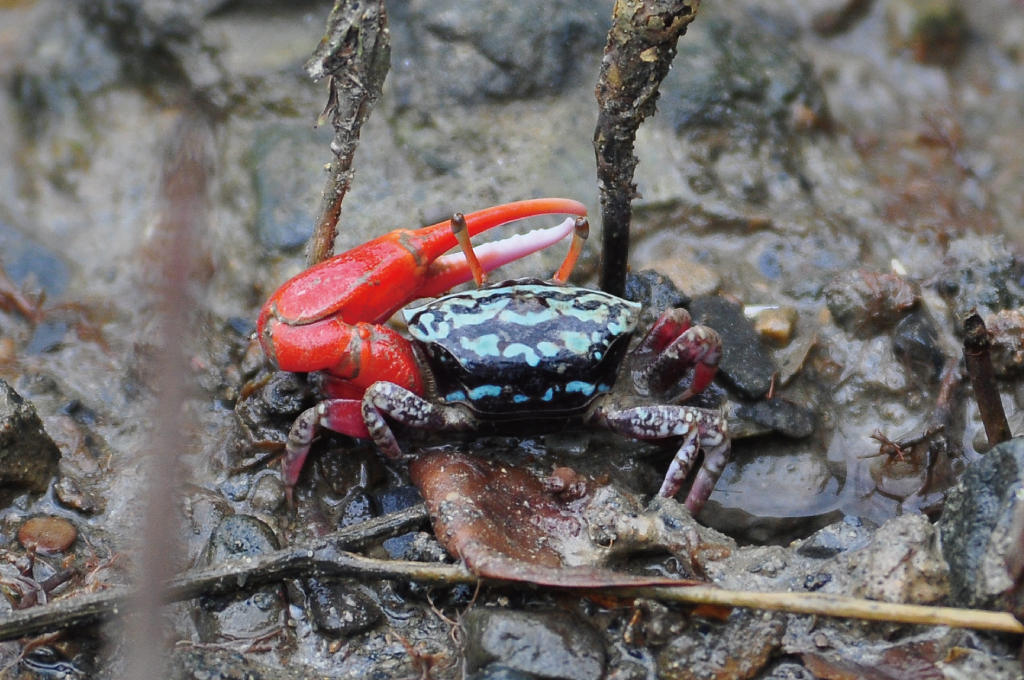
(1006, 329)
(849, 534)
(357, 508)
(394, 500)
(747, 365)
(28, 456)
(776, 325)
(722, 650)
(47, 535)
(915, 342)
(901, 565)
(777, 415)
(655, 291)
(340, 608)
(977, 527)
(268, 494)
(688, 275)
(247, 612)
(554, 645)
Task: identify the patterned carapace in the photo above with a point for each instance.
(524, 347)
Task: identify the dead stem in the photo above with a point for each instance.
(355, 56)
(639, 53)
(979, 367)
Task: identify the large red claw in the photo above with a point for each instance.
(373, 281)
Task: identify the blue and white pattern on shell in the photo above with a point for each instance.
(524, 345)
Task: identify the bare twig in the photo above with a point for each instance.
(983, 379)
(227, 577)
(327, 559)
(355, 56)
(641, 46)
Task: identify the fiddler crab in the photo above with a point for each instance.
(519, 357)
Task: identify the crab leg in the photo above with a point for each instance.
(700, 429)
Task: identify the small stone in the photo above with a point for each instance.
(977, 525)
(689, 276)
(777, 415)
(356, 508)
(268, 495)
(915, 342)
(776, 325)
(340, 608)
(850, 534)
(1006, 329)
(247, 612)
(902, 565)
(728, 650)
(70, 495)
(655, 291)
(28, 456)
(746, 363)
(398, 499)
(47, 535)
(553, 645)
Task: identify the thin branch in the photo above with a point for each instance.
(325, 557)
(639, 53)
(355, 56)
(221, 578)
(977, 343)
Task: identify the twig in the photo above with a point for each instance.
(640, 49)
(979, 367)
(839, 607)
(355, 56)
(325, 558)
(218, 579)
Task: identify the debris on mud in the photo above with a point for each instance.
(28, 456)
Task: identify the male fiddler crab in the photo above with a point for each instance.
(524, 356)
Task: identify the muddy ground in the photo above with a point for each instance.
(796, 144)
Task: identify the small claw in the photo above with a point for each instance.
(449, 271)
(581, 232)
(461, 232)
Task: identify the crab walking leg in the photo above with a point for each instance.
(339, 415)
(699, 348)
(701, 428)
(409, 409)
(715, 459)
